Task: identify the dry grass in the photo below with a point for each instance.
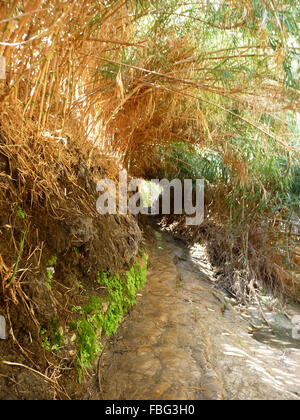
(86, 72)
(67, 77)
(246, 257)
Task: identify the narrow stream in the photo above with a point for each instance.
(182, 341)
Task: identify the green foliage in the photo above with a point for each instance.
(46, 343)
(272, 178)
(51, 340)
(52, 262)
(76, 250)
(21, 213)
(121, 291)
(296, 181)
(22, 243)
(192, 163)
(56, 333)
(49, 280)
(50, 271)
(87, 330)
(121, 294)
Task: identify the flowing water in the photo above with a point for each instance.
(184, 341)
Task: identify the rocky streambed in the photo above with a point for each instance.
(185, 340)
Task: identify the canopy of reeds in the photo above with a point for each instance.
(141, 80)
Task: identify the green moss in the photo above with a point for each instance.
(51, 340)
(49, 280)
(121, 292)
(52, 262)
(87, 330)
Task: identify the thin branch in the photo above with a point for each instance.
(224, 28)
(17, 44)
(110, 41)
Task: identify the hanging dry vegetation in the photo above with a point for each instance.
(131, 80)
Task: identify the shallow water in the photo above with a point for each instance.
(182, 340)
(278, 341)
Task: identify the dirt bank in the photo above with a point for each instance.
(38, 305)
(53, 251)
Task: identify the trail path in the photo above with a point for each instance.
(184, 341)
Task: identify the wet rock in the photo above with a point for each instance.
(178, 345)
(279, 322)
